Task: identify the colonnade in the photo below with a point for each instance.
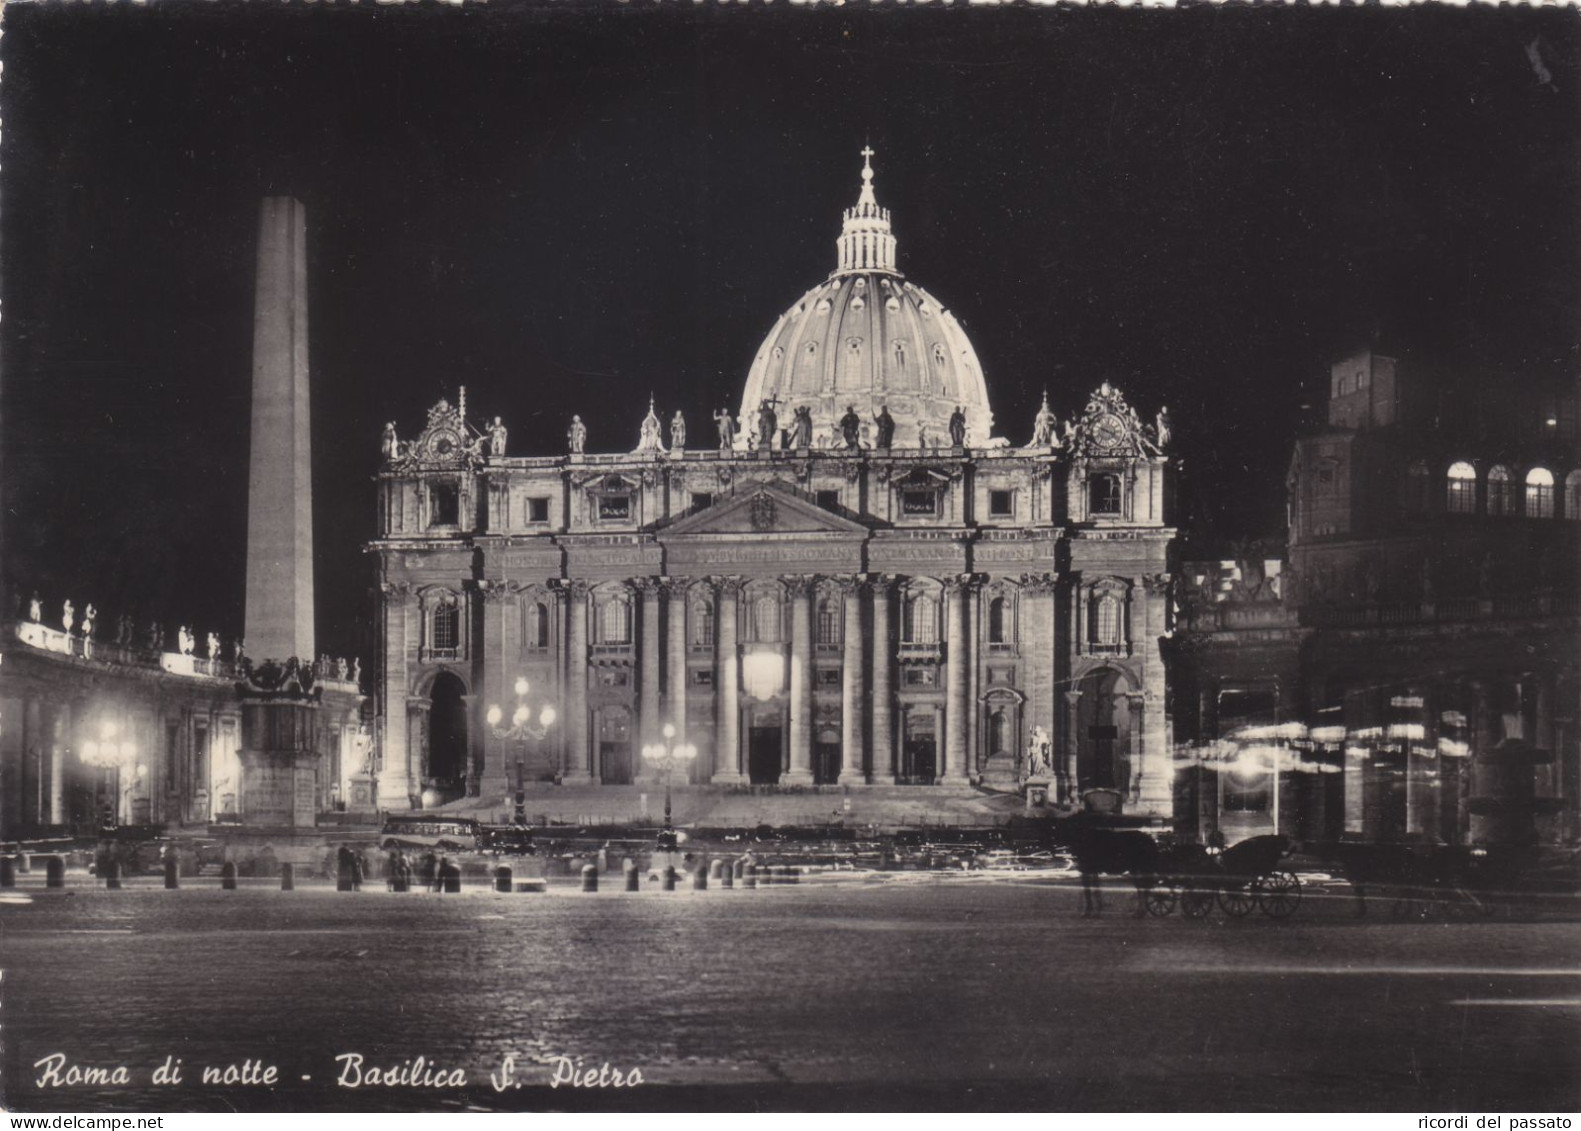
(867, 688)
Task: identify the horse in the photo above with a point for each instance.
(1117, 852)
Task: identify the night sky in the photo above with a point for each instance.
(566, 207)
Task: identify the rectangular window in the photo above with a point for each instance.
(921, 677)
(829, 500)
(447, 627)
(614, 506)
(828, 677)
(702, 500)
(702, 677)
(538, 510)
(918, 502)
(1001, 504)
(444, 505)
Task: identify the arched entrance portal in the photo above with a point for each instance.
(1103, 733)
(447, 737)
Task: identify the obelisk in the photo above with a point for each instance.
(279, 481)
(280, 702)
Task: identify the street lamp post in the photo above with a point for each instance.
(521, 729)
(108, 753)
(666, 756)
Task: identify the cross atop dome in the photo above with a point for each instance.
(866, 243)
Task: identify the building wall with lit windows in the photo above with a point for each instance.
(1416, 672)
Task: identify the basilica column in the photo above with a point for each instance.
(800, 682)
(649, 719)
(852, 764)
(1070, 730)
(955, 683)
(883, 700)
(578, 765)
(675, 675)
(727, 684)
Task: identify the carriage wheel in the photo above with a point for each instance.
(1159, 900)
(1196, 903)
(1279, 893)
(1237, 901)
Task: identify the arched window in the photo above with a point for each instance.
(614, 620)
(1417, 492)
(1106, 614)
(703, 624)
(920, 624)
(1462, 490)
(828, 622)
(1539, 493)
(1501, 492)
(997, 628)
(537, 626)
(447, 627)
(1573, 496)
(766, 619)
(1103, 494)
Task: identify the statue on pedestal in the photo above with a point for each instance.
(155, 636)
(68, 615)
(727, 429)
(214, 645)
(1043, 425)
(801, 428)
(768, 426)
(576, 435)
(1161, 428)
(885, 425)
(89, 615)
(851, 427)
(239, 653)
(355, 674)
(677, 430)
(958, 428)
(497, 435)
(35, 609)
(389, 445)
(185, 640)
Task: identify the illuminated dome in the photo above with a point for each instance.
(866, 338)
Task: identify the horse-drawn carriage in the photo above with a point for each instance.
(1243, 878)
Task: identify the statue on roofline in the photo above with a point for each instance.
(576, 435)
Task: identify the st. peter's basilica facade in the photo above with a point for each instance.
(851, 582)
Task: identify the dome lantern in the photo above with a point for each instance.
(866, 243)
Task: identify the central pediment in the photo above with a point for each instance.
(763, 510)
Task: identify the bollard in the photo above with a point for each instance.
(716, 869)
(228, 877)
(749, 876)
(7, 872)
(669, 878)
(700, 880)
(172, 873)
(633, 877)
(502, 878)
(590, 877)
(741, 865)
(112, 875)
(24, 863)
(727, 876)
(453, 879)
(401, 880)
(54, 871)
(288, 877)
(343, 879)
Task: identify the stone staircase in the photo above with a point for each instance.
(884, 807)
